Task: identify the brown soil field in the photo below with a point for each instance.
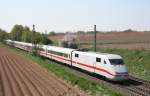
(125, 40)
(134, 46)
(21, 77)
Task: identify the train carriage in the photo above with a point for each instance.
(59, 54)
(109, 65)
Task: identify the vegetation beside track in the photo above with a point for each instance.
(91, 87)
(137, 61)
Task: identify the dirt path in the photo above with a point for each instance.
(19, 77)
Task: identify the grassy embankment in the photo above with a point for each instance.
(91, 87)
(137, 61)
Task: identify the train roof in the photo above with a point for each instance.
(23, 43)
(18, 42)
(8, 40)
(58, 49)
(105, 55)
(69, 50)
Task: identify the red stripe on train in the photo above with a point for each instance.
(86, 65)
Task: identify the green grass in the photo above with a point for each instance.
(93, 88)
(137, 61)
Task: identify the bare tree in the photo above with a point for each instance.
(69, 41)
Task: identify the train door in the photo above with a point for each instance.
(75, 59)
(101, 66)
(83, 61)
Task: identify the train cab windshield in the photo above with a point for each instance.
(116, 61)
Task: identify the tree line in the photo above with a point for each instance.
(3, 35)
(24, 34)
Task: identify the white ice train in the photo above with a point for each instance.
(110, 66)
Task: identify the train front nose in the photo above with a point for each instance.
(121, 73)
(121, 76)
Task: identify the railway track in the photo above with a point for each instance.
(133, 87)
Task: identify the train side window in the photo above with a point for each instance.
(105, 62)
(76, 55)
(98, 59)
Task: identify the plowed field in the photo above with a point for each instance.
(115, 40)
(20, 77)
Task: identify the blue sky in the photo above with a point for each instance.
(74, 15)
